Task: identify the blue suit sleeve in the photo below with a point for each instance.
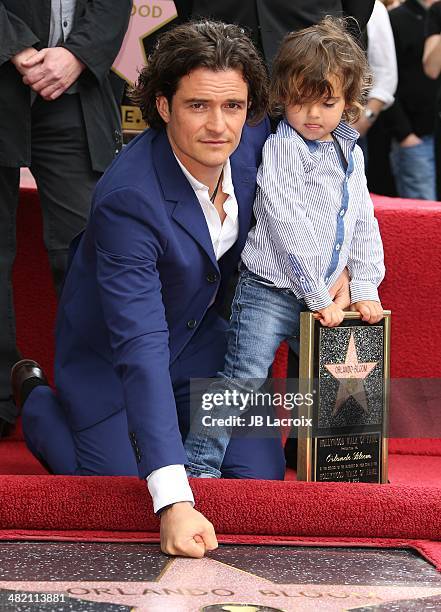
(128, 246)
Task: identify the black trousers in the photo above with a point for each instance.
(62, 169)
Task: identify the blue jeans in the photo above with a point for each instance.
(414, 169)
(262, 316)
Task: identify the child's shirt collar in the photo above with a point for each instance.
(343, 131)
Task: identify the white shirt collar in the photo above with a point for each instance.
(227, 181)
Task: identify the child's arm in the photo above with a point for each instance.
(366, 263)
(281, 193)
(333, 315)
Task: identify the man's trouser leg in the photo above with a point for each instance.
(103, 449)
(62, 169)
(246, 457)
(9, 186)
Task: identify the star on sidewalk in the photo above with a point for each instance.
(144, 21)
(351, 375)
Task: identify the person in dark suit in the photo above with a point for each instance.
(139, 312)
(59, 116)
(269, 20)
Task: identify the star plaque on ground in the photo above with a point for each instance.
(346, 370)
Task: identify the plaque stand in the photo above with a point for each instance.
(344, 373)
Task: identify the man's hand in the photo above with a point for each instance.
(331, 316)
(339, 291)
(186, 532)
(21, 57)
(412, 140)
(50, 72)
(371, 312)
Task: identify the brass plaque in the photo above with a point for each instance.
(132, 119)
(346, 369)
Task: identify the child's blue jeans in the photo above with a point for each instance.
(262, 316)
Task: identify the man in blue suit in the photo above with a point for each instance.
(139, 313)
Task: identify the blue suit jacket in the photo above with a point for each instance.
(139, 286)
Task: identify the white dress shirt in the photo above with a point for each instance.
(381, 56)
(169, 484)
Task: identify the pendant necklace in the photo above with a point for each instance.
(216, 189)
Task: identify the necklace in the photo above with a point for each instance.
(216, 189)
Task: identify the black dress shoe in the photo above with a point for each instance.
(25, 375)
(5, 428)
(291, 453)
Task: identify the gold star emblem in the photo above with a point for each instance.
(351, 375)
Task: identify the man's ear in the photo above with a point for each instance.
(163, 108)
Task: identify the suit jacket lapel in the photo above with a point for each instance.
(187, 211)
(244, 181)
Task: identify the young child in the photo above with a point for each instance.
(314, 218)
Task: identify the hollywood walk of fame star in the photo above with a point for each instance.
(192, 585)
(351, 375)
(142, 23)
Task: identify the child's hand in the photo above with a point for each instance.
(371, 312)
(331, 316)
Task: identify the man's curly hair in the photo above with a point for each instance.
(200, 44)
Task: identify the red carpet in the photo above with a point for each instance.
(405, 513)
(118, 509)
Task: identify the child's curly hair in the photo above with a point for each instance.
(306, 60)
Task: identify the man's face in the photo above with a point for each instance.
(206, 117)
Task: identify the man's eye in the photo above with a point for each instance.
(197, 105)
(233, 105)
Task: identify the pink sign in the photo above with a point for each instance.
(146, 18)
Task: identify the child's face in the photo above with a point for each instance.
(316, 120)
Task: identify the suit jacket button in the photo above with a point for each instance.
(192, 324)
(211, 278)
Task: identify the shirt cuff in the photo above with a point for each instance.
(319, 299)
(363, 290)
(169, 485)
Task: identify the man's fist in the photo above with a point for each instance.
(22, 56)
(186, 532)
(50, 72)
(371, 312)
